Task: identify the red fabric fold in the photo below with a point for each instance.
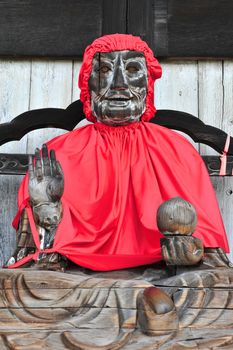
(115, 179)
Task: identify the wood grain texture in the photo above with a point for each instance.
(140, 19)
(178, 88)
(173, 28)
(210, 96)
(107, 311)
(51, 86)
(75, 74)
(200, 28)
(227, 86)
(48, 28)
(14, 94)
(14, 99)
(114, 16)
(224, 191)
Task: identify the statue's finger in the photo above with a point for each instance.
(46, 161)
(59, 171)
(30, 167)
(53, 162)
(172, 248)
(192, 254)
(38, 165)
(165, 253)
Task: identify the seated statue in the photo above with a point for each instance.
(91, 195)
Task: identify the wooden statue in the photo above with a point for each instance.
(180, 300)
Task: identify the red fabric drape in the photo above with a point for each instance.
(115, 179)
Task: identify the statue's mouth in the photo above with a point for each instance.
(118, 100)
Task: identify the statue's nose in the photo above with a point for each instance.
(119, 81)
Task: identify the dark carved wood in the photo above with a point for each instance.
(114, 16)
(48, 28)
(213, 165)
(13, 164)
(193, 127)
(140, 20)
(65, 119)
(200, 28)
(173, 28)
(17, 164)
(116, 310)
(160, 45)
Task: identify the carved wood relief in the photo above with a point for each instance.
(52, 310)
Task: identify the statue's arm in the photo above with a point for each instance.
(46, 186)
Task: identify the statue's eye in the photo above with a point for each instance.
(132, 68)
(104, 69)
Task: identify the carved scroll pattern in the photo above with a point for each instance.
(50, 310)
(13, 163)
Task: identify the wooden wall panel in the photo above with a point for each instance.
(75, 88)
(227, 85)
(210, 97)
(14, 94)
(57, 28)
(14, 99)
(63, 28)
(51, 86)
(178, 88)
(200, 28)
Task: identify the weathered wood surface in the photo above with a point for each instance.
(199, 28)
(48, 28)
(53, 310)
(33, 84)
(173, 28)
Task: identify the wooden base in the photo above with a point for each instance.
(88, 310)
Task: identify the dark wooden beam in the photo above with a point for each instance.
(160, 44)
(200, 28)
(63, 28)
(48, 28)
(114, 16)
(140, 15)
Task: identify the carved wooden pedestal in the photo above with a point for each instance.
(87, 310)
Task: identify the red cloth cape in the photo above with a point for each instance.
(115, 179)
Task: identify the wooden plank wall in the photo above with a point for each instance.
(203, 88)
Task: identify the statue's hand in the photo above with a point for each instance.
(46, 181)
(182, 250)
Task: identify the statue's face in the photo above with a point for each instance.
(118, 87)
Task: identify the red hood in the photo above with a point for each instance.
(116, 42)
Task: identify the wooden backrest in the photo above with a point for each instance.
(68, 118)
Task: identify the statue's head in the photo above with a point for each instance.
(118, 86)
(117, 80)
